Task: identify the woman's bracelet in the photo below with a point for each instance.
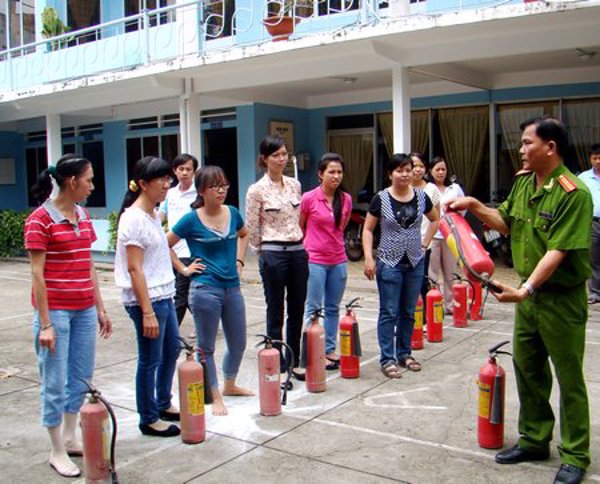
(45, 326)
(241, 262)
(149, 315)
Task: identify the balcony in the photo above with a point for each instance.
(200, 29)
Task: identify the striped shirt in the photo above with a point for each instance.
(68, 266)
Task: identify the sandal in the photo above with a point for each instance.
(332, 363)
(391, 370)
(410, 364)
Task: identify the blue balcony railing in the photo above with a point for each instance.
(194, 28)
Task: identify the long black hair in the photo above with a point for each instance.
(69, 165)
(338, 194)
(205, 178)
(268, 145)
(147, 169)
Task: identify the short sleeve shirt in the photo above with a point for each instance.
(217, 251)
(324, 240)
(550, 218)
(139, 229)
(68, 266)
(175, 206)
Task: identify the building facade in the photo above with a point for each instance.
(117, 80)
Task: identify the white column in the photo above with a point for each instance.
(401, 109)
(399, 8)
(189, 121)
(493, 151)
(188, 27)
(53, 138)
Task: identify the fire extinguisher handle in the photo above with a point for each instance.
(353, 303)
(494, 349)
(288, 356)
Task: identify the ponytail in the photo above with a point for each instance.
(66, 167)
(337, 206)
(146, 169)
(42, 188)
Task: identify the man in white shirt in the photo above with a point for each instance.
(591, 178)
(176, 205)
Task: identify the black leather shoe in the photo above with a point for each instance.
(170, 431)
(568, 474)
(299, 375)
(169, 416)
(516, 454)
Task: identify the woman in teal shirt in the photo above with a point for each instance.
(218, 239)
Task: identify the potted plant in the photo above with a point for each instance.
(281, 18)
(53, 26)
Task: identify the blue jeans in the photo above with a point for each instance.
(62, 371)
(398, 292)
(326, 285)
(209, 305)
(156, 360)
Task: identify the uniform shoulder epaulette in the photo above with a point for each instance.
(523, 172)
(566, 183)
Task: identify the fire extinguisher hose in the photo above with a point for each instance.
(485, 281)
(289, 362)
(113, 439)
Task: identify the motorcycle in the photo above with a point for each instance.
(353, 234)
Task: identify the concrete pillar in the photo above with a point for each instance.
(401, 109)
(53, 138)
(399, 8)
(189, 28)
(189, 121)
(493, 151)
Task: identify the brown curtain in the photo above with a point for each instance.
(419, 131)
(582, 119)
(511, 118)
(464, 134)
(386, 125)
(357, 152)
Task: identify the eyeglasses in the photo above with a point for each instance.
(220, 188)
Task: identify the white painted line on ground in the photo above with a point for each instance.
(438, 445)
(15, 279)
(499, 333)
(16, 316)
(404, 403)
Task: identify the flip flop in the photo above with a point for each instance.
(72, 471)
(410, 364)
(391, 370)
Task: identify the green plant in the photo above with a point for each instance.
(12, 225)
(53, 26)
(112, 230)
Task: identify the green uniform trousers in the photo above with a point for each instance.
(553, 324)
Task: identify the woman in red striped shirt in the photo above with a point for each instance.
(66, 297)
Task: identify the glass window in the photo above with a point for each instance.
(94, 151)
(134, 7)
(81, 15)
(582, 119)
(36, 160)
(509, 118)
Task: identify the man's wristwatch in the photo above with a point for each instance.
(529, 287)
(186, 271)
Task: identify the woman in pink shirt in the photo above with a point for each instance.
(324, 213)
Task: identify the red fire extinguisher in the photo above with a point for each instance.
(490, 421)
(416, 340)
(350, 347)
(460, 301)
(476, 302)
(313, 354)
(98, 445)
(191, 397)
(269, 383)
(464, 244)
(434, 302)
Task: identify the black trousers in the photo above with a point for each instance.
(425, 284)
(182, 288)
(284, 275)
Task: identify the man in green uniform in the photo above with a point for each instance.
(549, 216)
